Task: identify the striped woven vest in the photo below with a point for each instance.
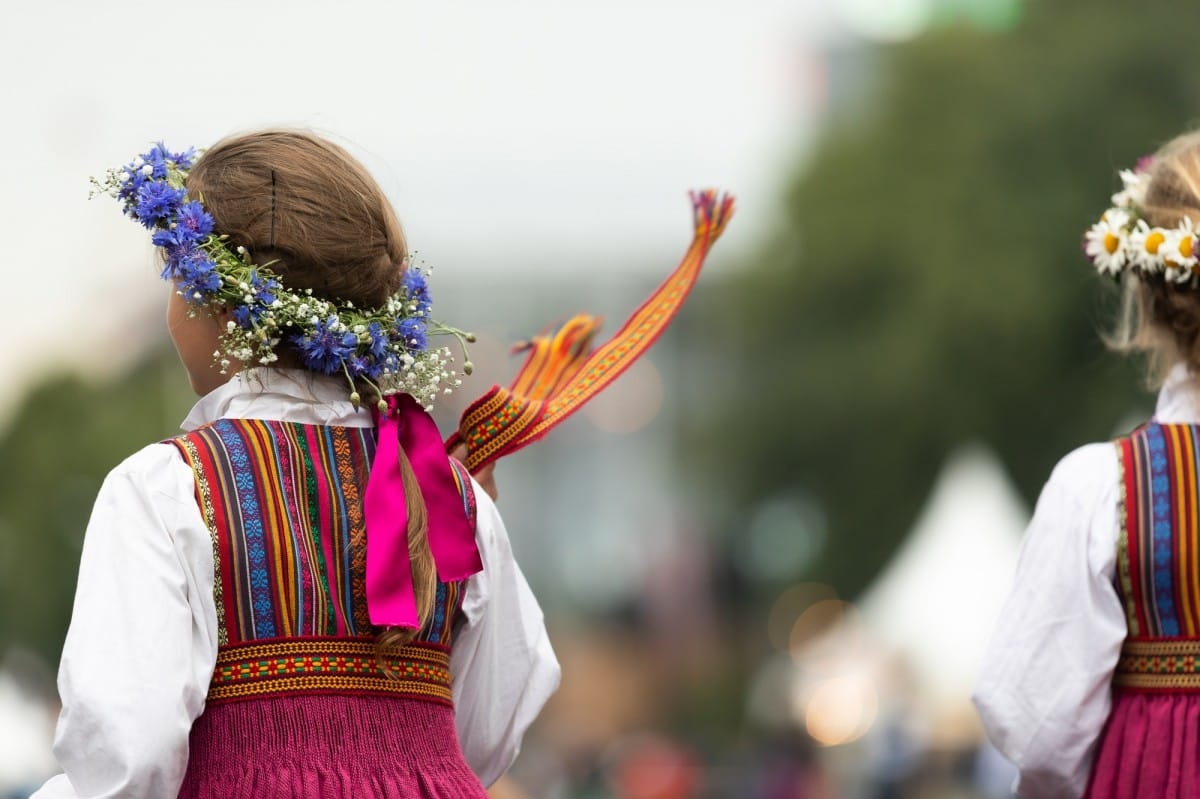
(283, 502)
(1158, 558)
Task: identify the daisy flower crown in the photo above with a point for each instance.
(1122, 241)
(386, 348)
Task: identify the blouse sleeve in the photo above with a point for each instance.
(1044, 689)
(503, 667)
(141, 646)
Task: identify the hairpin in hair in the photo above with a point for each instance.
(272, 209)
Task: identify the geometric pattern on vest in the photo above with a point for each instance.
(283, 502)
(1158, 558)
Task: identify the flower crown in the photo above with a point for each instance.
(1123, 241)
(385, 347)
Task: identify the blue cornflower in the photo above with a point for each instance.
(168, 238)
(264, 290)
(324, 349)
(127, 193)
(160, 157)
(198, 275)
(183, 160)
(157, 202)
(412, 334)
(193, 218)
(390, 362)
(363, 366)
(379, 340)
(177, 255)
(157, 157)
(417, 291)
(191, 225)
(248, 315)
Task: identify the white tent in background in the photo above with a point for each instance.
(26, 729)
(936, 602)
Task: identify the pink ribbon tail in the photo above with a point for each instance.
(391, 600)
(451, 536)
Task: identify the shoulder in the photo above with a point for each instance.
(155, 470)
(149, 459)
(1087, 475)
(1092, 463)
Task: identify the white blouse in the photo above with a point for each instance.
(1044, 688)
(142, 643)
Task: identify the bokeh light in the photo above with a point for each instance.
(786, 610)
(885, 20)
(817, 620)
(785, 535)
(840, 709)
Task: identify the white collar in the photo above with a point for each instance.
(1179, 398)
(290, 395)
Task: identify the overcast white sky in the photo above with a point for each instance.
(510, 135)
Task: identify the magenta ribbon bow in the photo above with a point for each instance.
(391, 600)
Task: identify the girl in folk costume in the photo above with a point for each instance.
(302, 596)
(1091, 685)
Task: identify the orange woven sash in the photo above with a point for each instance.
(562, 371)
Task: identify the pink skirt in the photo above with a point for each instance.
(1150, 748)
(327, 747)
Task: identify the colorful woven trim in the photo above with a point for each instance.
(562, 372)
(1159, 664)
(329, 665)
(1158, 553)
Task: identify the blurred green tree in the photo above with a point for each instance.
(926, 287)
(64, 438)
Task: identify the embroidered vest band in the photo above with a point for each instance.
(1169, 664)
(314, 666)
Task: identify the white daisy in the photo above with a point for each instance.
(1106, 243)
(1179, 251)
(1133, 191)
(1145, 244)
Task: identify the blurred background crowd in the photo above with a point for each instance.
(770, 554)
